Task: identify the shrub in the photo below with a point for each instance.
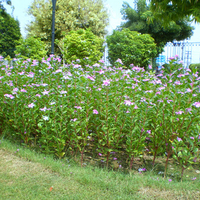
(131, 47)
(81, 45)
(32, 48)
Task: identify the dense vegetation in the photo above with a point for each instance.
(105, 111)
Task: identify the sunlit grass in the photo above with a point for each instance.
(25, 174)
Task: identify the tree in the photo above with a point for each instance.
(70, 15)
(138, 20)
(6, 1)
(81, 44)
(10, 34)
(131, 47)
(31, 47)
(176, 9)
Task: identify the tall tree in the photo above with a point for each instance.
(176, 9)
(138, 20)
(10, 34)
(6, 1)
(70, 15)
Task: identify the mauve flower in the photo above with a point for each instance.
(135, 107)
(150, 67)
(179, 112)
(179, 139)
(100, 154)
(45, 92)
(9, 96)
(119, 61)
(43, 109)
(149, 131)
(73, 120)
(31, 105)
(106, 82)
(23, 90)
(196, 104)
(128, 103)
(95, 112)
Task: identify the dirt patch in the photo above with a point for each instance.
(169, 195)
(17, 166)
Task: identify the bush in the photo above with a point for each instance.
(32, 48)
(81, 45)
(131, 47)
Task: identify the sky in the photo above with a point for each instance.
(113, 6)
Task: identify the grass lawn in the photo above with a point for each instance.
(25, 174)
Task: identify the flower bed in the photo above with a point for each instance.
(65, 108)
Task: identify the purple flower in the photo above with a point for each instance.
(23, 90)
(73, 120)
(170, 180)
(100, 154)
(45, 92)
(31, 105)
(192, 138)
(9, 96)
(95, 112)
(63, 92)
(196, 104)
(119, 61)
(43, 109)
(135, 107)
(179, 112)
(179, 139)
(78, 107)
(149, 131)
(106, 82)
(128, 103)
(194, 178)
(114, 158)
(150, 67)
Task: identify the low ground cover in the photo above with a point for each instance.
(25, 174)
(109, 113)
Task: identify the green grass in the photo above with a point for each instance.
(25, 174)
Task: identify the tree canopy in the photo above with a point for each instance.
(70, 15)
(10, 34)
(131, 47)
(138, 20)
(176, 9)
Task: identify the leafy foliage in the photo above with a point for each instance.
(143, 21)
(10, 34)
(195, 65)
(81, 44)
(176, 9)
(70, 15)
(32, 48)
(131, 47)
(108, 112)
